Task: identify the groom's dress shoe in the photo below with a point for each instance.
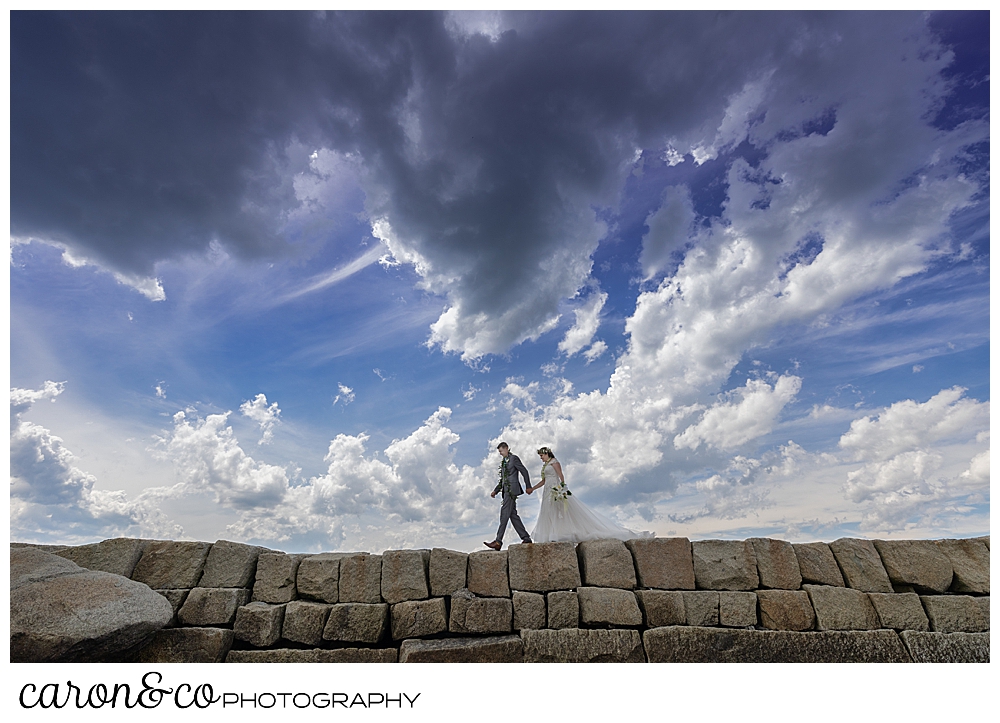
(493, 545)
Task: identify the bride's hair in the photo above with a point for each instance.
(546, 450)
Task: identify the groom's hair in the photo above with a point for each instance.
(503, 445)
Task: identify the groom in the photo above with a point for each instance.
(510, 467)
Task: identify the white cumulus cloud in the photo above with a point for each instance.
(266, 416)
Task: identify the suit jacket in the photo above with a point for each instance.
(514, 468)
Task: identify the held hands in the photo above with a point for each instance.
(530, 489)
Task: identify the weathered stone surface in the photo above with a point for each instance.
(777, 565)
(275, 577)
(480, 615)
(608, 606)
(970, 561)
(563, 607)
(663, 562)
(259, 623)
(166, 565)
(984, 609)
(60, 612)
(317, 655)
(737, 609)
(582, 646)
(947, 648)
(954, 614)
(447, 571)
(231, 564)
(529, 610)
(724, 565)
(418, 618)
(861, 565)
(361, 579)
(817, 565)
(899, 611)
(118, 556)
(502, 649)
(209, 606)
(985, 539)
(187, 645)
(176, 598)
(920, 564)
(842, 608)
(318, 577)
(357, 622)
(404, 575)
(606, 563)
(304, 622)
(488, 573)
(701, 607)
(663, 607)
(785, 609)
(727, 645)
(543, 567)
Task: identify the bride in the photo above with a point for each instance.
(562, 517)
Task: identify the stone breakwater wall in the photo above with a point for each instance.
(644, 600)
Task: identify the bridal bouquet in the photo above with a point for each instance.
(560, 492)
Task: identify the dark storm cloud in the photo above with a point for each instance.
(138, 137)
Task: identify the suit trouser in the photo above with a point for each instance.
(508, 511)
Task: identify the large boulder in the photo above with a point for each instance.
(304, 622)
(447, 570)
(582, 646)
(817, 565)
(501, 649)
(970, 561)
(118, 556)
(259, 623)
(543, 567)
(404, 575)
(60, 612)
(701, 607)
(727, 645)
(357, 622)
(318, 577)
(418, 618)
(480, 615)
(210, 606)
(954, 614)
(316, 655)
(899, 610)
(737, 609)
(947, 648)
(563, 609)
(920, 564)
(361, 579)
(187, 645)
(606, 563)
(861, 565)
(785, 610)
(231, 564)
(724, 565)
(604, 606)
(275, 578)
(663, 607)
(529, 610)
(842, 608)
(663, 562)
(777, 565)
(488, 574)
(171, 565)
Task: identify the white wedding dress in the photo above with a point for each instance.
(570, 520)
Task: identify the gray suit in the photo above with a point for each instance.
(508, 510)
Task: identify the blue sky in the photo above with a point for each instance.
(289, 278)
